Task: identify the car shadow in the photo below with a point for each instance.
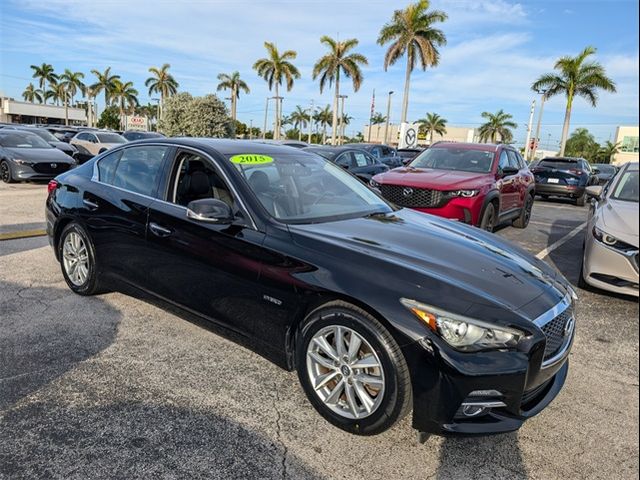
(556, 200)
(38, 345)
(496, 456)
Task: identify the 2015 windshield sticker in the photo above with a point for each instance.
(251, 159)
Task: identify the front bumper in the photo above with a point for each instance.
(572, 191)
(39, 172)
(467, 210)
(609, 269)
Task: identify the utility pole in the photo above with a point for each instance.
(373, 107)
(251, 129)
(386, 125)
(341, 119)
(266, 112)
(535, 145)
(311, 109)
(529, 128)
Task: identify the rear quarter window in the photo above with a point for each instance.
(139, 169)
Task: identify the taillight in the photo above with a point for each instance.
(575, 171)
(52, 185)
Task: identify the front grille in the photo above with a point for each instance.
(555, 333)
(412, 197)
(52, 168)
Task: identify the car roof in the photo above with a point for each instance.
(487, 147)
(337, 149)
(227, 146)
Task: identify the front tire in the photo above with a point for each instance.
(489, 217)
(5, 172)
(582, 200)
(525, 215)
(352, 370)
(78, 260)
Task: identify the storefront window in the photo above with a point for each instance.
(629, 144)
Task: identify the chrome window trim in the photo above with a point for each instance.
(547, 317)
(95, 177)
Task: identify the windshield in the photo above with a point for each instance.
(110, 138)
(627, 187)
(559, 164)
(43, 134)
(302, 188)
(462, 159)
(23, 140)
(323, 152)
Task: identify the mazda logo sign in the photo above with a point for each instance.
(407, 192)
(53, 165)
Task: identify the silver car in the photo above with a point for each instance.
(611, 246)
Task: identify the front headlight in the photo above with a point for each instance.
(374, 184)
(463, 333)
(611, 241)
(465, 193)
(21, 161)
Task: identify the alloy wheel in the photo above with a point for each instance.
(5, 175)
(345, 372)
(75, 258)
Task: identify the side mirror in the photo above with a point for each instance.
(508, 172)
(210, 210)
(594, 191)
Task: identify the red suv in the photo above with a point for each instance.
(479, 184)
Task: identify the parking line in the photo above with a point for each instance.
(22, 234)
(561, 242)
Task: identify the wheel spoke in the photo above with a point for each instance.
(370, 380)
(363, 395)
(339, 339)
(351, 400)
(325, 347)
(368, 361)
(335, 394)
(354, 346)
(324, 379)
(320, 360)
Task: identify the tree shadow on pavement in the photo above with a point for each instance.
(39, 343)
(496, 456)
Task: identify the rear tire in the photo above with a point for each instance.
(363, 400)
(489, 218)
(78, 260)
(525, 215)
(582, 200)
(5, 172)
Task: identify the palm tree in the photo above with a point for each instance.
(299, 118)
(330, 66)
(377, 119)
(575, 76)
(72, 82)
(125, 96)
(608, 150)
(275, 69)
(434, 123)
(234, 83)
(45, 75)
(32, 94)
(57, 93)
(161, 82)
(344, 121)
(324, 117)
(411, 31)
(497, 125)
(105, 83)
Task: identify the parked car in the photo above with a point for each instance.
(26, 156)
(131, 135)
(358, 162)
(90, 143)
(49, 138)
(604, 172)
(64, 134)
(479, 184)
(380, 310)
(566, 177)
(386, 154)
(408, 154)
(610, 260)
(288, 142)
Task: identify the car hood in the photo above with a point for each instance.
(431, 178)
(620, 219)
(64, 146)
(482, 264)
(40, 155)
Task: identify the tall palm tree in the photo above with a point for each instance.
(498, 124)
(45, 75)
(339, 61)
(324, 117)
(161, 82)
(608, 150)
(411, 31)
(344, 121)
(378, 119)
(57, 93)
(32, 94)
(299, 118)
(434, 123)
(105, 83)
(575, 76)
(72, 82)
(125, 96)
(275, 69)
(234, 83)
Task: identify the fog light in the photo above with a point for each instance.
(485, 393)
(473, 410)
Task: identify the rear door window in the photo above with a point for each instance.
(345, 160)
(139, 169)
(513, 159)
(361, 159)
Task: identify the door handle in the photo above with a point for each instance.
(158, 230)
(90, 204)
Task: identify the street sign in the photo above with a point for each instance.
(408, 135)
(137, 123)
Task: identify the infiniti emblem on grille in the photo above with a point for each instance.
(407, 192)
(54, 165)
(568, 328)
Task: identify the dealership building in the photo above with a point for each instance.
(454, 134)
(627, 138)
(12, 111)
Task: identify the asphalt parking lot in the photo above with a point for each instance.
(119, 386)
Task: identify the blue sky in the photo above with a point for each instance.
(495, 50)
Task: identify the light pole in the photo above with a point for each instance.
(542, 100)
(341, 118)
(251, 129)
(386, 125)
(266, 113)
(312, 109)
(529, 127)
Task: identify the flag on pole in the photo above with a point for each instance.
(373, 103)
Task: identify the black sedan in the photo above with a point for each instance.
(26, 156)
(384, 153)
(380, 310)
(360, 163)
(565, 177)
(605, 172)
(132, 135)
(48, 137)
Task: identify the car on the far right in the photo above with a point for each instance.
(604, 172)
(566, 177)
(610, 260)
